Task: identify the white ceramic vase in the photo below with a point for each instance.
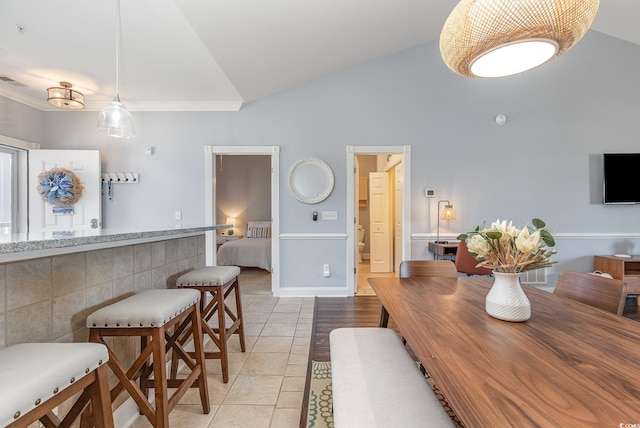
(506, 299)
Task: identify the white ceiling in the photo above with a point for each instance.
(209, 55)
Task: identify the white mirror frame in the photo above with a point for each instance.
(297, 191)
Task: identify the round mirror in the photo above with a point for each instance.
(311, 180)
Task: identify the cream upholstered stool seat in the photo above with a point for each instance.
(219, 282)
(159, 318)
(35, 378)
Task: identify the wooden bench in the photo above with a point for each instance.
(375, 383)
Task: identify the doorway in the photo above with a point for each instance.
(212, 212)
(378, 200)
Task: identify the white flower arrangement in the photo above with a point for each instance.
(505, 248)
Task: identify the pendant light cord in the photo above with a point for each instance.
(118, 49)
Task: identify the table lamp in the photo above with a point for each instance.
(232, 222)
(447, 214)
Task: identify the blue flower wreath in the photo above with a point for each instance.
(59, 187)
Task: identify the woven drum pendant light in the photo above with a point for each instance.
(496, 38)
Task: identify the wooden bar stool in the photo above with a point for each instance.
(35, 378)
(158, 317)
(219, 282)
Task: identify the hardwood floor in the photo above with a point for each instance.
(631, 308)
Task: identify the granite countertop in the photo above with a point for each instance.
(17, 244)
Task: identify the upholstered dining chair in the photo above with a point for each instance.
(409, 268)
(608, 294)
(465, 263)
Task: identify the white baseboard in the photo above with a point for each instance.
(126, 414)
(312, 292)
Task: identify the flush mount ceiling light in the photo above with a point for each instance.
(65, 97)
(497, 38)
(115, 120)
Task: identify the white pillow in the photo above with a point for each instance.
(259, 229)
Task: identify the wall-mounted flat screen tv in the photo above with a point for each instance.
(621, 178)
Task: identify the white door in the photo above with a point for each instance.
(397, 219)
(380, 243)
(86, 213)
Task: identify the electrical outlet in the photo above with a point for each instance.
(326, 272)
(178, 215)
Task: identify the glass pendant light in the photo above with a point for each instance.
(115, 120)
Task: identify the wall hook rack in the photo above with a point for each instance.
(120, 177)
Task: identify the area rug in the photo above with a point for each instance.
(320, 403)
(320, 414)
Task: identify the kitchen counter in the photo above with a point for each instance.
(22, 247)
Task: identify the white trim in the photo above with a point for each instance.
(351, 246)
(313, 236)
(572, 235)
(126, 413)
(313, 292)
(18, 144)
(40, 104)
(432, 236)
(210, 197)
(21, 200)
(596, 235)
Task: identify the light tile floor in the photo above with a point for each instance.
(364, 272)
(266, 383)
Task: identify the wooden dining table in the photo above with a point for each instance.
(569, 365)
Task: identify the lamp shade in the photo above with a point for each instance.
(64, 97)
(231, 221)
(496, 38)
(116, 121)
(448, 213)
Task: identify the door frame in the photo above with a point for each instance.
(210, 200)
(351, 202)
(22, 147)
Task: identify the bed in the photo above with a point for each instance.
(252, 251)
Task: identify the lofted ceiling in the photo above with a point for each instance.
(214, 55)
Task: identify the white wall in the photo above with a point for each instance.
(544, 162)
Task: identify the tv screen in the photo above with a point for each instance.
(621, 178)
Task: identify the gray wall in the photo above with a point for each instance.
(243, 189)
(544, 162)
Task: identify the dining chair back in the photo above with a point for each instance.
(465, 263)
(598, 291)
(409, 268)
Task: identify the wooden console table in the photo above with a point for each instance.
(624, 268)
(443, 249)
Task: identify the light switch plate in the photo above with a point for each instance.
(429, 192)
(329, 215)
